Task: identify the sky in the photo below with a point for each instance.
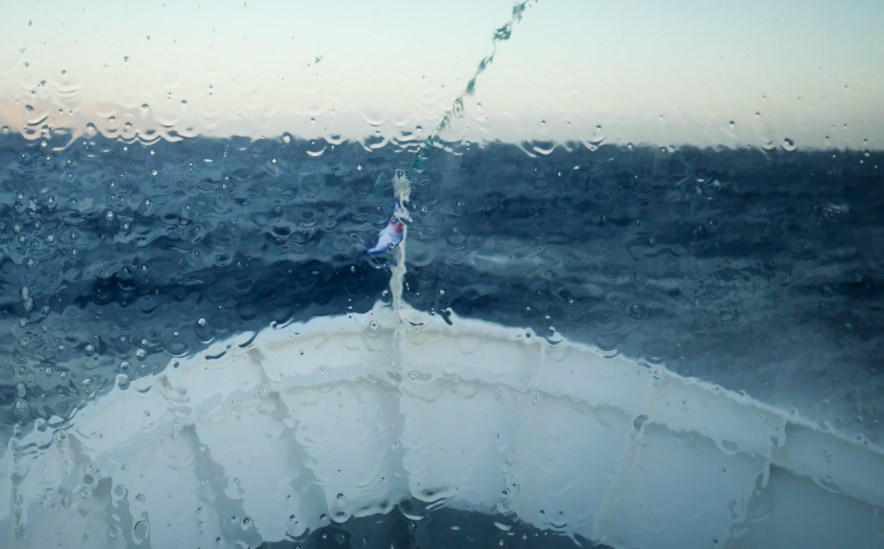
(775, 73)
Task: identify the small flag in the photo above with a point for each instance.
(390, 236)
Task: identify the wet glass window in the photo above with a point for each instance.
(460, 274)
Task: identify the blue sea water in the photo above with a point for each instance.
(756, 270)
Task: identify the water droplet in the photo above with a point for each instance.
(636, 311)
(141, 530)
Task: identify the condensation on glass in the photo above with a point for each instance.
(544, 273)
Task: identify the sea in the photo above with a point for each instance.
(757, 270)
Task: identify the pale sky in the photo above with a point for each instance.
(730, 73)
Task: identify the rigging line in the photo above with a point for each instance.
(401, 182)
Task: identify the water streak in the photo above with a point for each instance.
(502, 34)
